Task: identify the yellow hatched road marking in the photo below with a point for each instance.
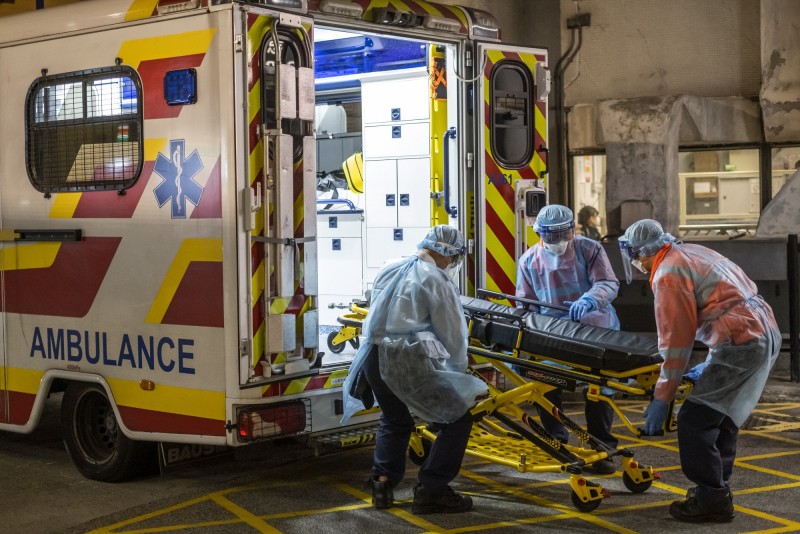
(567, 513)
(193, 249)
(398, 512)
(246, 517)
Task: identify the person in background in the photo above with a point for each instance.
(588, 221)
(702, 295)
(565, 269)
(414, 358)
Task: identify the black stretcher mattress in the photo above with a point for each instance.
(560, 339)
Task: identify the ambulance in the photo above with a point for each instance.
(172, 261)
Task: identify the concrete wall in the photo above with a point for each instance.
(637, 48)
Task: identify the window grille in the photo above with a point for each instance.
(84, 130)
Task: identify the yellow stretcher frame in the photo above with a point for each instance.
(505, 434)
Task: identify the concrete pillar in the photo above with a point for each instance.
(780, 70)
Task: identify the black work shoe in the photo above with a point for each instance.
(692, 510)
(446, 501)
(602, 467)
(382, 494)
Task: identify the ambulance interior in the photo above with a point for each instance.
(386, 99)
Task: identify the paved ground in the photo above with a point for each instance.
(281, 487)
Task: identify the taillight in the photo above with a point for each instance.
(273, 420)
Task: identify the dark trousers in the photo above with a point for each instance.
(707, 443)
(599, 418)
(396, 424)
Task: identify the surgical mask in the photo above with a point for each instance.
(452, 271)
(638, 265)
(556, 248)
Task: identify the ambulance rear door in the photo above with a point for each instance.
(511, 158)
(278, 319)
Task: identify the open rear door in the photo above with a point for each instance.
(513, 156)
(279, 327)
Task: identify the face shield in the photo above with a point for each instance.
(553, 234)
(457, 254)
(629, 255)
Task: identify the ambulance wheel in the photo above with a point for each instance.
(94, 440)
(584, 507)
(636, 487)
(415, 458)
(336, 348)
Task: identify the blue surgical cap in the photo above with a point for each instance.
(444, 240)
(553, 215)
(646, 237)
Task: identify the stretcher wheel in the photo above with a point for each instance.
(337, 347)
(355, 343)
(584, 507)
(426, 451)
(636, 487)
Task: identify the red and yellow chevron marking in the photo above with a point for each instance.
(191, 292)
(257, 29)
(499, 202)
(34, 275)
(300, 385)
(418, 7)
(191, 411)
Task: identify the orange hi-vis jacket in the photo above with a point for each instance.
(702, 295)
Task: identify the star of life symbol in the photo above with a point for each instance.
(177, 173)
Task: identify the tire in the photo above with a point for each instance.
(635, 487)
(94, 441)
(338, 347)
(584, 507)
(355, 343)
(426, 451)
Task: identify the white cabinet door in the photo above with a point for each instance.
(413, 192)
(397, 140)
(395, 100)
(381, 190)
(340, 265)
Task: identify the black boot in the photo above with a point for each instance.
(691, 510)
(382, 494)
(445, 501)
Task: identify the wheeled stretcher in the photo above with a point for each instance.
(549, 353)
(565, 353)
(553, 353)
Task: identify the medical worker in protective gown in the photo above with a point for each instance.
(572, 270)
(701, 295)
(414, 359)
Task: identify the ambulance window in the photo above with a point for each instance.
(84, 130)
(511, 120)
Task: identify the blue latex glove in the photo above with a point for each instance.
(579, 308)
(694, 373)
(654, 417)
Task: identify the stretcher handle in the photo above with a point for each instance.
(486, 293)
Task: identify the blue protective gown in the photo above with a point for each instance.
(416, 319)
(582, 271)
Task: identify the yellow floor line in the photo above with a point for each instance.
(247, 517)
(398, 512)
(766, 470)
(567, 512)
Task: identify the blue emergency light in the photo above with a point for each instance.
(180, 87)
